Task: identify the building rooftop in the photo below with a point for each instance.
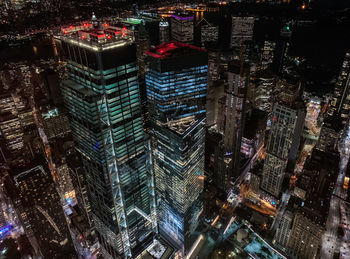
(182, 16)
(172, 49)
(96, 36)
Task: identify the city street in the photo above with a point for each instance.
(330, 242)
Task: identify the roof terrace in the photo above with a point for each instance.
(97, 37)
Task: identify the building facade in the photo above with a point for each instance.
(242, 30)
(176, 90)
(283, 142)
(42, 215)
(102, 97)
(182, 28)
(340, 103)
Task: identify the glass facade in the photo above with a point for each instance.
(103, 99)
(176, 93)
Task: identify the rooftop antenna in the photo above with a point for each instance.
(94, 20)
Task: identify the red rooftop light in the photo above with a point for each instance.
(83, 37)
(109, 37)
(106, 24)
(166, 49)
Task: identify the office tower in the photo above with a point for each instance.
(317, 182)
(283, 231)
(238, 76)
(55, 124)
(253, 137)
(286, 127)
(281, 49)
(65, 188)
(209, 32)
(41, 213)
(182, 28)
(329, 134)
(164, 32)
(264, 85)
(11, 131)
(340, 103)
(102, 97)
(78, 176)
(267, 54)
(176, 88)
(242, 30)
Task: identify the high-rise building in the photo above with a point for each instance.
(55, 123)
(41, 213)
(209, 32)
(286, 127)
(242, 30)
(238, 76)
(176, 88)
(102, 97)
(283, 231)
(267, 54)
(341, 99)
(281, 49)
(264, 85)
(164, 32)
(329, 134)
(182, 28)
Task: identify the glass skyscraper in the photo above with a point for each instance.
(176, 82)
(103, 99)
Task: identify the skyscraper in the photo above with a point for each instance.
(209, 32)
(242, 30)
(42, 215)
(235, 112)
(283, 142)
(164, 32)
(103, 100)
(176, 87)
(182, 28)
(340, 103)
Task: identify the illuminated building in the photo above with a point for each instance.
(176, 87)
(267, 54)
(309, 223)
(281, 49)
(182, 28)
(286, 127)
(15, 116)
(55, 123)
(164, 32)
(264, 84)
(242, 30)
(11, 131)
(209, 32)
(41, 213)
(340, 103)
(254, 133)
(329, 134)
(66, 189)
(102, 97)
(77, 173)
(238, 75)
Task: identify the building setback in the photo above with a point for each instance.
(176, 90)
(102, 97)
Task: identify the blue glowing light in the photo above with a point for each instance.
(273, 203)
(5, 229)
(96, 146)
(197, 173)
(69, 200)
